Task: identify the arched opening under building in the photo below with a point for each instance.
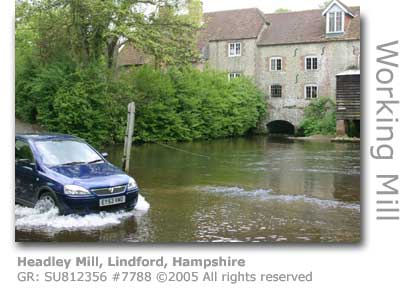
(281, 127)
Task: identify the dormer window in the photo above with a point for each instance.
(336, 22)
(335, 14)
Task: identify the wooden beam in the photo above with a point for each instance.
(128, 137)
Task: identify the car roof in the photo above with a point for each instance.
(45, 136)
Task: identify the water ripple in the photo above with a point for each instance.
(267, 194)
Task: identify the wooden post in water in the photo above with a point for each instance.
(128, 137)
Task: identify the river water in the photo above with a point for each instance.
(258, 189)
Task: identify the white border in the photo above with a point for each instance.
(376, 265)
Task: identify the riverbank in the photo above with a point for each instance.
(327, 138)
(346, 139)
(23, 127)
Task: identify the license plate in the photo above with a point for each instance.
(112, 201)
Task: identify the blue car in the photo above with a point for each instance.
(64, 172)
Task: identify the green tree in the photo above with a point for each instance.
(282, 10)
(90, 31)
(195, 11)
(319, 117)
(324, 4)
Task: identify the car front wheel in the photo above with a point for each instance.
(47, 202)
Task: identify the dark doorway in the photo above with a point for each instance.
(281, 127)
(354, 128)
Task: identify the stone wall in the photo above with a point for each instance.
(333, 58)
(244, 64)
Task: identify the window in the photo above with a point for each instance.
(311, 91)
(276, 91)
(311, 63)
(233, 75)
(59, 152)
(23, 151)
(338, 23)
(331, 27)
(276, 64)
(234, 49)
(335, 22)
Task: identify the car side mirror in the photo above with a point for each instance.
(105, 155)
(23, 161)
(26, 163)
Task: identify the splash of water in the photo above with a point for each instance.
(36, 218)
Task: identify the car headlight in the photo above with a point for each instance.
(132, 184)
(75, 190)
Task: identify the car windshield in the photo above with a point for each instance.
(66, 152)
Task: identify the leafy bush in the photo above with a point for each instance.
(71, 100)
(171, 105)
(319, 118)
(25, 104)
(187, 104)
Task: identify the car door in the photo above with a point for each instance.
(25, 171)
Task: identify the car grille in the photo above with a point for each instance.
(109, 190)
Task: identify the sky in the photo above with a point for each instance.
(267, 5)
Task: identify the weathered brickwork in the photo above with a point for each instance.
(333, 58)
(244, 64)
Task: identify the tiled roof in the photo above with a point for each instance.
(232, 24)
(283, 28)
(306, 27)
(130, 55)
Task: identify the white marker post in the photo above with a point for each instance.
(128, 137)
